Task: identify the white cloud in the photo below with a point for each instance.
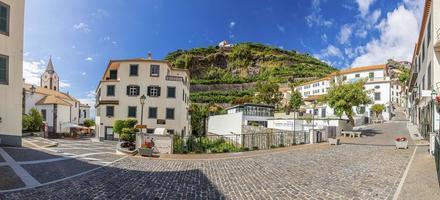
(88, 59)
(361, 33)
(83, 73)
(82, 26)
(330, 51)
(281, 28)
(64, 84)
(32, 71)
(26, 54)
(106, 38)
(324, 37)
(396, 41)
(364, 6)
(232, 24)
(345, 34)
(100, 13)
(316, 18)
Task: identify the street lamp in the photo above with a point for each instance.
(33, 89)
(142, 101)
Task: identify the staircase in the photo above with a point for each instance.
(399, 114)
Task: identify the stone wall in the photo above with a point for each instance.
(264, 138)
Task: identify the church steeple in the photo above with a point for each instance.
(49, 67)
(50, 79)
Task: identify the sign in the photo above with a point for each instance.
(141, 126)
(161, 121)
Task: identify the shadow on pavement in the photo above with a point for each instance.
(110, 182)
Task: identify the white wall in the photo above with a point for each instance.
(11, 94)
(225, 124)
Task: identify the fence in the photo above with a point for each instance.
(238, 143)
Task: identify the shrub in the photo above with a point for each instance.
(255, 148)
(273, 146)
(89, 122)
(26, 122)
(128, 135)
(281, 145)
(226, 150)
(245, 149)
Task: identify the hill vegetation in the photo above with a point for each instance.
(244, 63)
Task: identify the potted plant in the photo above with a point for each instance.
(401, 143)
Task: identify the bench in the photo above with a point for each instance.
(352, 134)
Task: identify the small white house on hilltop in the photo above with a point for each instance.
(225, 44)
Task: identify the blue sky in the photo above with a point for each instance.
(82, 35)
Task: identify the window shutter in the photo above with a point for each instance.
(128, 90)
(138, 89)
(148, 91)
(158, 91)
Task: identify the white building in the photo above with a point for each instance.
(11, 70)
(424, 82)
(378, 85)
(125, 81)
(237, 116)
(60, 110)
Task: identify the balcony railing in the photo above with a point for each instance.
(174, 78)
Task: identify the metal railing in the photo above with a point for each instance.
(237, 142)
(437, 155)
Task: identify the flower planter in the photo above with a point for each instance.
(145, 152)
(401, 144)
(333, 141)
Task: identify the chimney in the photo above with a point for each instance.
(149, 56)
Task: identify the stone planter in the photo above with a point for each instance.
(333, 141)
(124, 151)
(401, 144)
(145, 152)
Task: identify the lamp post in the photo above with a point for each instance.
(142, 101)
(33, 89)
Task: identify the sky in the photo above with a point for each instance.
(82, 36)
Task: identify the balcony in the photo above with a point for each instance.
(174, 78)
(437, 41)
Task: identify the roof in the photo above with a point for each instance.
(422, 27)
(250, 104)
(49, 92)
(52, 99)
(360, 69)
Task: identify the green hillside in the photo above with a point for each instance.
(244, 63)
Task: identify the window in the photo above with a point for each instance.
(377, 96)
(170, 131)
(132, 111)
(110, 90)
(315, 111)
(113, 74)
(84, 114)
(133, 90)
(134, 70)
(377, 87)
(110, 111)
(183, 96)
(323, 112)
(170, 113)
(344, 78)
(429, 30)
(153, 91)
(150, 130)
(4, 65)
(171, 92)
(152, 112)
(154, 70)
(357, 75)
(43, 113)
(371, 74)
(4, 19)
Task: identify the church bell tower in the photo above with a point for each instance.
(50, 79)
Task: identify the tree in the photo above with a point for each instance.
(33, 121)
(295, 103)
(342, 98)
(126, 130)
(377, 109)
(268, 93)
(89, 123)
